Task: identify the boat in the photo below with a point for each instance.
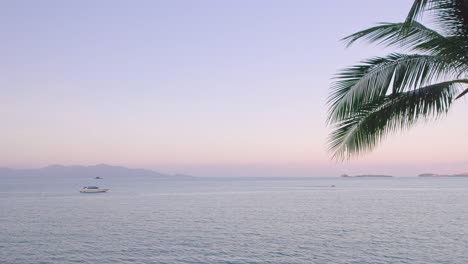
(92, 189)
(98, 178)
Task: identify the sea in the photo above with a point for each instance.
(234, 220)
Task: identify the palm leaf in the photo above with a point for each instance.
(391, 34)
(452, 15)
(374, 78)
(369, 124)
(383, 95)
(416, 9)
(462, 94)
(418, 38)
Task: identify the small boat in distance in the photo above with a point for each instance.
(98, 178)
(92, 189)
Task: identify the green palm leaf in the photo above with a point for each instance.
(452, 15)
(390, 34)
(375, 77)
(417, 38)
(374, 120)
(416, 9)
(383, 95)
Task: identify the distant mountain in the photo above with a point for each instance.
(443, 175)
(100, 170)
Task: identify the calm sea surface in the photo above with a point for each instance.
(399, 220)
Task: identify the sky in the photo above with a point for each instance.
(208, 88)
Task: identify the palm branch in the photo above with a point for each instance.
(383, 95)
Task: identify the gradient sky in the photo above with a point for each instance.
(209, 88)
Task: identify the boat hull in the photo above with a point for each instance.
(93, 190)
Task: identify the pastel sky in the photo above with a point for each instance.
(208, 87)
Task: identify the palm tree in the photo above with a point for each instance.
(383, 95)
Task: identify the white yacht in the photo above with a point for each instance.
(92, 189)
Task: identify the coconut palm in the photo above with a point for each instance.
(383, 95)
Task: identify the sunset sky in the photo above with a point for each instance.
(208, 88)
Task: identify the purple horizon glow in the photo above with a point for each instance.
(210, 88)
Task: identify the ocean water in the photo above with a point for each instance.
(398, 220)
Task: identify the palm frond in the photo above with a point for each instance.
(391, 34)
(373, 78)
(416, 9)
(419, 38)
(462, 94)
(454, 49)
(452, 15)
(372, 121)
(383, 95)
